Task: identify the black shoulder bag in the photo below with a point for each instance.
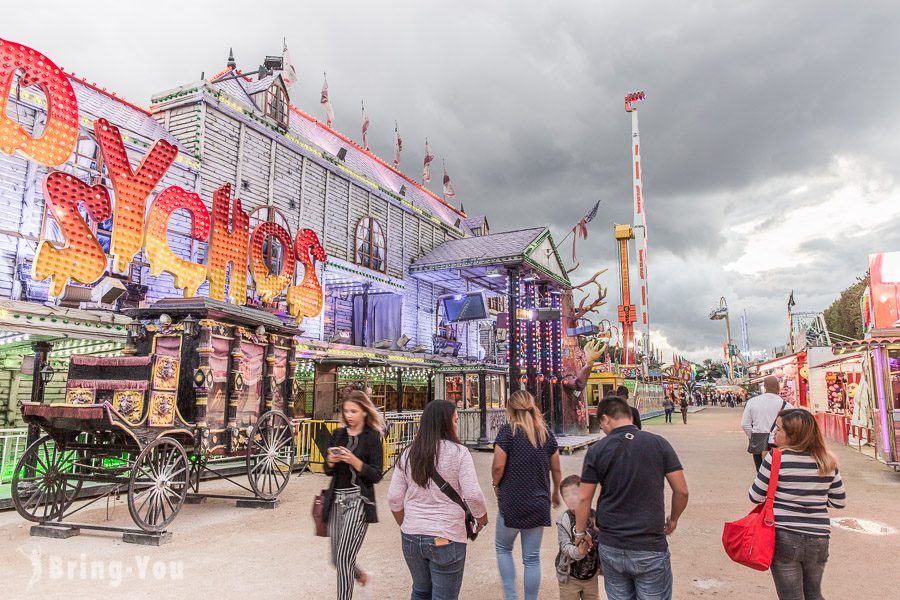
(759, 442)
(447, 489)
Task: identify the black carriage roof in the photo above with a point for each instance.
(207, 308)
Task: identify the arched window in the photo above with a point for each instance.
(371, 245)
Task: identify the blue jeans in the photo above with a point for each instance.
(531, 558)
(636, 574)
(437, 571)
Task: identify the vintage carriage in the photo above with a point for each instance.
(203, 391)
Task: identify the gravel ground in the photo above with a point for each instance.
(220, 551)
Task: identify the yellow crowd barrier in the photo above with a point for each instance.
(313, 436)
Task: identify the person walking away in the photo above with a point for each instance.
(669, 407)
(354, 463)
(432, 524)
(630, 467)
(622, 392)
(576, 570)
(759, 417)
(526, 456)
(684, 408)
(808, 483)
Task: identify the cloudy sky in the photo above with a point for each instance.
(769, 136)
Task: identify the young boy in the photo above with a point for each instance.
(576, 572)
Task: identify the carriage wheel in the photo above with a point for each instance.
(158, 484)
(271, 453)
(41, 490)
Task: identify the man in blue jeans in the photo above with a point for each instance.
(630, 467)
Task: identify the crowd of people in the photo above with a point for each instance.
(436, 499)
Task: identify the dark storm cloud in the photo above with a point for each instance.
(746, 102)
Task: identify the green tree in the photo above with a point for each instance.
(709, 371)
(844, 317)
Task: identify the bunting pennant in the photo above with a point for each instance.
(365, 127)
(398, 145)
(288, 72)
(448, 186)
(326, 103)
(580, 228)
(426, 171)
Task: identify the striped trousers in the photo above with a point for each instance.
(347, 527)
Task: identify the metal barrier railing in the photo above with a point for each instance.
(12, 446)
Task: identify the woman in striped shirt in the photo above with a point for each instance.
(808, 483)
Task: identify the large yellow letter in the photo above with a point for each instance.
(188, 276)
(131, 188)
(228, 245)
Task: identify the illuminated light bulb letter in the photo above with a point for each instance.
(228, 245)
(305, 300)
(82, 258)
(131, 188)
(267, 285)
(188, 276)
(57, 142)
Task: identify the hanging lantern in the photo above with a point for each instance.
(523, 379)
(553, 380)
(540, 378)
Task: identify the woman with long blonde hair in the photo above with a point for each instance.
(809, 482)
(354, 461)
(526, 455)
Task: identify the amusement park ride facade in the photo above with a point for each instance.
(348, 258)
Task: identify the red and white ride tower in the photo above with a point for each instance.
(640, 219)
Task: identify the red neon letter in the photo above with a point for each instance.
(82, 258)
(61, 130)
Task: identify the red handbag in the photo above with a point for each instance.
(751, 540)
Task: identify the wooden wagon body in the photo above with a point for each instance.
(200, 379)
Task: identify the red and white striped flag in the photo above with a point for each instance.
(426, 171)
(448, 186)
(365, 127)
(398, 145)
(329, 112)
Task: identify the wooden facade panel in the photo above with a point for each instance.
(336, 225)
(312, 211)
(184, 125)
(286, 189)
(255, 161)
(396, 251)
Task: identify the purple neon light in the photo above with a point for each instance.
(882, 407)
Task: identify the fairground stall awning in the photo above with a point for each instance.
(479, 259)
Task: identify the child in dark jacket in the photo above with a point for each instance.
(577, 573)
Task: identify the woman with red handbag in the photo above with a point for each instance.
(807, 483)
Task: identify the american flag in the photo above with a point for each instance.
(426, 171)
(398, 145)
(448, 186)
(324, 101)
(365, 127)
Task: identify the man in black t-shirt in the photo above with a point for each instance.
(622, 392)
(630, 466)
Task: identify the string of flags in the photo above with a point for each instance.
(290, 74)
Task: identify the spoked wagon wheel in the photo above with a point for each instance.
(41, 487)
(158, 484)
(271, 452)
